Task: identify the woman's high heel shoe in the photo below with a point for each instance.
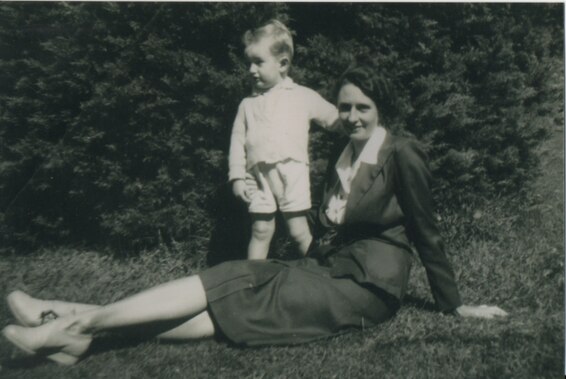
(53, 340)
(29, 311)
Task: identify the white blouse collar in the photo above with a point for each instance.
(347, 169)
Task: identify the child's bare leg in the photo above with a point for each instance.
(299, 230)
(263, 227)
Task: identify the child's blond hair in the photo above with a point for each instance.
(280, 35)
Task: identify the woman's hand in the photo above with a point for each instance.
(480, 311)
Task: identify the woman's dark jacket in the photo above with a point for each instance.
(389, 210)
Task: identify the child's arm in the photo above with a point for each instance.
(323, 112)
(237, 156)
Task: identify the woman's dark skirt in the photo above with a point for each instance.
(288, 302)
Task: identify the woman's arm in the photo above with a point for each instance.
(415, 200)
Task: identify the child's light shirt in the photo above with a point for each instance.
(273, 126)
(347, 170)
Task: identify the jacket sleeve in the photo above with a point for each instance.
(237, 154)
(415, 200)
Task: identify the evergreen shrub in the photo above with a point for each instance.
(115, 118)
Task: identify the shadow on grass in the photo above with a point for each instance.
(128, 338)
(98, 346)
(231, 230)
(511, 339)
(421, 304)
(136, 335)
(26, 362)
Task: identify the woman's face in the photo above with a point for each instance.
(358, 113)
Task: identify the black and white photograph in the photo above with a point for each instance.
(281, 190)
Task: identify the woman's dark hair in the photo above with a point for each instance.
(374, 85)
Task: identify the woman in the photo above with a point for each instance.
(377, 202)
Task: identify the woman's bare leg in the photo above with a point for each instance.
(179, 305)
(26, 308)
(178, 299)
(65, 308)
(200, 326)
(33, 312)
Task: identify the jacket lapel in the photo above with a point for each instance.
(330, 188)
(367, 174)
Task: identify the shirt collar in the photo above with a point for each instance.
(347, 169)
(286, 83)
(369, 152)
(372, 147)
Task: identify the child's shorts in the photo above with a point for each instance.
(282, 184)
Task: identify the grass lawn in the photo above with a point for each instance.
(509, 253)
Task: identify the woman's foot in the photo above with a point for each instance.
(34, 312)
(55, 340)
(29, 311)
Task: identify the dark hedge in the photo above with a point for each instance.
(115, 118)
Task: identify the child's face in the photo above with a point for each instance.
(266, 69)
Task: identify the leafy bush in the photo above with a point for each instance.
(116, 117)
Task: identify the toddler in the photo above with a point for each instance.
(269, 142)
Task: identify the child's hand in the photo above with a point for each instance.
(239, 190)
(251, 186)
